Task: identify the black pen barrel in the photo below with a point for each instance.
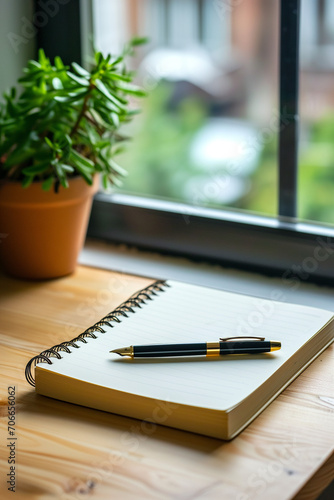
(244, 347)
(165, 350)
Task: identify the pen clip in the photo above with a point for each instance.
(224, 339)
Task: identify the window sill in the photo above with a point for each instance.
(283, 248)
(128, 260)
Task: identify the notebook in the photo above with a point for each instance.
(217, 396)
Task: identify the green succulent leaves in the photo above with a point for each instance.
(65, 121)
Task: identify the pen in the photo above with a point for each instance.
(231, 345)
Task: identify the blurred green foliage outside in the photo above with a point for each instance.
(160, 166)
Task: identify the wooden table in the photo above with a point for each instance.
(68, 452)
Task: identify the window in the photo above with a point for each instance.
(207, 134)
(218, 79)
(316, 146)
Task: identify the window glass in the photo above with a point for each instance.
(208, 131)
(316, 145)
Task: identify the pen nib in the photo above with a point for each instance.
(123, 351)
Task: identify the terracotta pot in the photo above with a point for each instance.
(41, 232)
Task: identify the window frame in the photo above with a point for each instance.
(276, 246)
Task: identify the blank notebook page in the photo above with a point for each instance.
(188, 313)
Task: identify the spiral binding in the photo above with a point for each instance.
(136, 300)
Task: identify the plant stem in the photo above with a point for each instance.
(96, 125)
(82, 112)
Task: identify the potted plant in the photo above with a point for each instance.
(57, 138)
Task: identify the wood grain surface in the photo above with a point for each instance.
(68, 452)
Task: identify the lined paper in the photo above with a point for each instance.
(188, 313)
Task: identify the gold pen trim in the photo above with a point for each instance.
(274, 345)
(212, 349)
